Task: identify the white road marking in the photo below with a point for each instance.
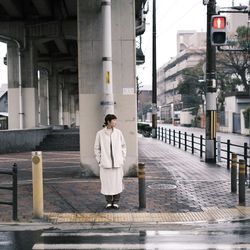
(146, 246)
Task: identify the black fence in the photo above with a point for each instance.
(196, 145)
(12, 203)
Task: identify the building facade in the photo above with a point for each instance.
(190, 51)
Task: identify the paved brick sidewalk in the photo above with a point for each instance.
(176, 182)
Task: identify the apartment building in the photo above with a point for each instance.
(190, 51)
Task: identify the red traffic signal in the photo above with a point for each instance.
(219, 22)
(218, 30)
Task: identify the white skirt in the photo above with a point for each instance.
(111, 180)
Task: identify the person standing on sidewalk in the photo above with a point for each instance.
(110, 153)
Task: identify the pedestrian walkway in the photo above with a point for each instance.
(179, 188)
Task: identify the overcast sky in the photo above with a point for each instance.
(172, 15)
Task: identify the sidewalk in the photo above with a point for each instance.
(179, 188)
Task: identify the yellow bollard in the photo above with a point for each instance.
(37, 179)
(234, 173)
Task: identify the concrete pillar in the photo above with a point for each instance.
(43, 97)
(60, 103)
(72, 110)
(53, 100)
(90, 78)
(13, 97)
(29, 86)
(65, 98)
(77, 110)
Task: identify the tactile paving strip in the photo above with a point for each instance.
(207, 215)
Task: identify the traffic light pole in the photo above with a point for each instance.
(211, 107)
(154, 87)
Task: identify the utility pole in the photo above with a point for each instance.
(154, 86)
(211, 106)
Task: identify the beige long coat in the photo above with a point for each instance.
(110, 153)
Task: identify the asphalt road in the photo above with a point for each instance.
(221, 236)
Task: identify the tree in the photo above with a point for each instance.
(191, 88)
(232, 66)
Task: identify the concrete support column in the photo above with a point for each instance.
(29, 87)
(60, 103)
(65, 99)
(13, 97)
(77, 110)
(43, 97)
(72, 110)
(90, 78)
(53, 100)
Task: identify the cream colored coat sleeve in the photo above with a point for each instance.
(97, 148)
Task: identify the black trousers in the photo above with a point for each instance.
(113, 198)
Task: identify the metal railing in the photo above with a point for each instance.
(12, 203)
(196, 144)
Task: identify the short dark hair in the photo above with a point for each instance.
(108, 118)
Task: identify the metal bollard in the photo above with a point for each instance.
(37, 179)
(242, 178)
(234, 173)
(142, 190)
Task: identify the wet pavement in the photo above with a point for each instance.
(221, 236)
(178, 184)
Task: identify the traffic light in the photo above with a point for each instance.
(218, 30)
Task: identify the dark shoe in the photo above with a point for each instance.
(108, 206)
(115, 206)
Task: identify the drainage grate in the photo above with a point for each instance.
(163, 186)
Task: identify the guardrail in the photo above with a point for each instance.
(12, 173)
(196, 144)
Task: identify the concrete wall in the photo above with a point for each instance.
(244, 131)
(229, 127)
(90, 78)
(21, 140)
(186, 118)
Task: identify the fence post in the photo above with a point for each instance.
(179, 139)
(185, 141)
(219, 148)
(169, 136)
(234, 173)
(192, 143)
(165, 135)
(14, 194)
(245, 156)
(141, 181)
(201, 146)
(242, 194)
(215, 149)
(174, 137)
(162, 133)
(228, 154)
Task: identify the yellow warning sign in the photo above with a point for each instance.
(107, 77)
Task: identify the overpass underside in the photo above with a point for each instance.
(54, 60)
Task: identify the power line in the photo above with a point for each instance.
(173, 24)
